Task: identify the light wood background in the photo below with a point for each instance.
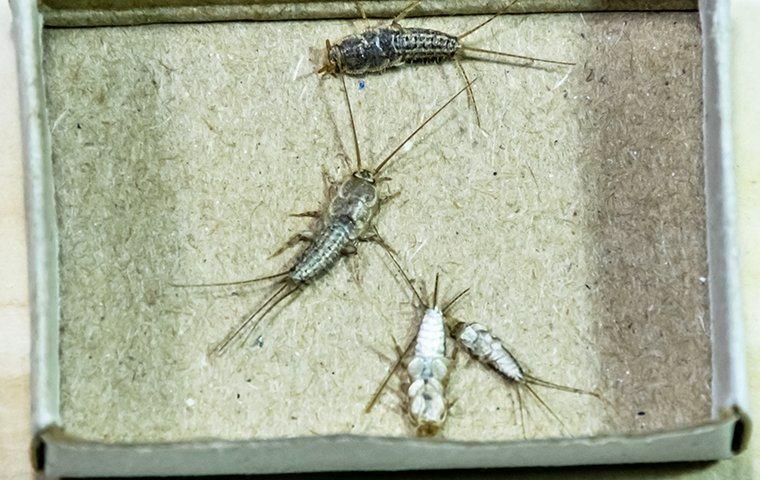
(14, 308)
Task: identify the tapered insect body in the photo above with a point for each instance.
(381, 48)
(489, 350)
(428, 372)
(378, 49)
(343, 224)
(479, 342)
(428, 369)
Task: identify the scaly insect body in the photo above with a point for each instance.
(382, 48)
(428, 368)
(344, 222)
(428, 372)
(326, 248)
(489, 350)
(378, 49)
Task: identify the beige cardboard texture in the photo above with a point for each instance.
(576, 214)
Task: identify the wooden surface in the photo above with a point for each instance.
(14, 313)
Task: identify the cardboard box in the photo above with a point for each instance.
(109, 416)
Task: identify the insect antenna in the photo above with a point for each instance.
(227, 284)
(512, 55)
(264, 309)
(396, 150)
(327, 67)
(435, 290)
(353, 125)
(406, 277)
(546, 406)
(489, 20)
(388, 376)
(455, 299)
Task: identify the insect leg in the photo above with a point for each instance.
(401, 354)
(376, 238)
(363, 14)
(390, 197)
(349, 250)
(486, 22)
(454, 352)
(308, 213)
(329, 183)
(354, 264)
(470, 93)
(403, 13)
(292, 241)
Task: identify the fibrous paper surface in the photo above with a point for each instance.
(575, 214)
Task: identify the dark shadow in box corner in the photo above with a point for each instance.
(646, 214)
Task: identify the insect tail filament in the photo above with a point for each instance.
(564, 388)
(512, 55)
(264, 309)
(229, 284)
(546, 406)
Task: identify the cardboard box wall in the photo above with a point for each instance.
(65, 455)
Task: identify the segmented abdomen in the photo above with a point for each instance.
(378, 49)
(428, 373)
(324, 251)
(488, 349)
(431, 338)
(419, 45)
